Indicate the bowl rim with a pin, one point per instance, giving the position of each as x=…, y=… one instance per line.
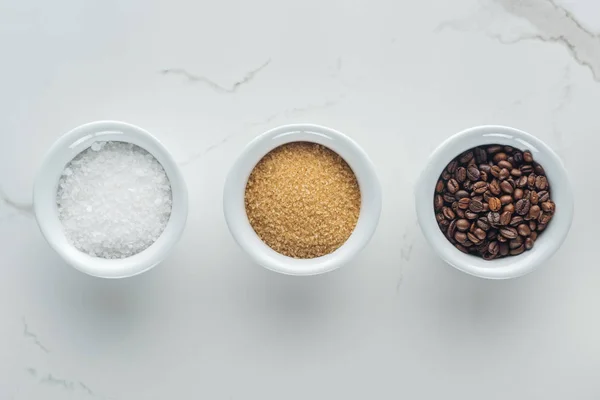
x=246, y=237
x=64, y=149
x=547, y=243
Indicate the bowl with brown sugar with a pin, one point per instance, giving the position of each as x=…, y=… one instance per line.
x=302, y=199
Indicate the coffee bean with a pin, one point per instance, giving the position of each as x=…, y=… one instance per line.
x=505, y=218
x=439, y=217
x=506, y=187
x=538, y=169
x=508, y=232
x=452, y=186
x=460, y=237
x=522, y=206
x=473, y=173
x=505, y=199
x=466, y=157
x=524, y=230
x=502, y=239
x=517, y=251
x=438, y=202
x=531, y=181
x=451, y=229
x=526, y=169
x=467, y=185
x=505, y=164
x=494, y=203
x=448, y=213
x=499, y=157
x=444, y=224
x=493, y=218
x=509, y=149
x=516, y=242
x=471, y=214
x=483, y=223
x=452, y=166
x=515, y=172
x=533, y=236
x=493, y=149
x=480, y=233
x=544, y=196
x=510, y=207
x=518, y=193
x=449, y=198
x=463, y=203
x=522, y=182
x=527, y=156
x=495, y=171
x=446, y=175
x=528, y=243
x=494, y=188
x=467, y=243
x=532, y=226
x=518, y=157
x=439, y=188
x=487, y=168
x=476, y=206
x=541, y=227
x=462, y=225
x=480, y=187
x=461, y=174
x=548, y=207
x=461, y=248
x=544, y=218
x=504, y=173
x=461, y=194
x=483, y=176
x=534, y=212
x=494, y=247
x=541, y=183
x=480, y=155
x=474, y=239
x=504, y=249
x=516, y=221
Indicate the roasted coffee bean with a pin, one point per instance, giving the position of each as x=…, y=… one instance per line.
x=461, y=194
x=505, y=218
x=448, y=213
x=531, y=181
x=439, y=188
x=483, y=223
x=534, y=197
x=515, y=172
x=505, y=199
x=451, y=229
x=522, y=207
x=505, y=164
x=522, y=182
x=518, y=193
x=471, y=214
x=480, y=233
x=504, y=249
x=517, y=251
x=541, y=227
x=452, y=166
x=533, y=236
x=493, y=218
x=510, y=207
x=474, y=239
x=473, y=173
x=499, y=157
x=544, y=196
x=528, y=243
x=544, y=218
x=516, y=242
x=493, y=149
x=484, y=176
x=439, y=217
x=466, y=157
x=449, y=198
x=509, y=232
x=463, y=203
x=467, y=243
x=495, y=171
x=475, y=206
x=452, y=186
x=492, y=234
x=534, y=212
x=541, y=183
x=467, y=185
x=460, y=237
x=461, y=248
x=444, y=224
x=524, y=230
x=494, y=248
x=532, y=226
x=462, y=225
x=480, y=187
x=504, y=173
x=527, y=156
x=487, y=256
x=460, y=213
x=518, y=157
x=487, y=168
x=502, y=239
x=548, y=207
x=446, y=175
x=538, y=169
x=506, y=187
x=438, y=202
x=480, y=155
x=526, y=169
x=494, y=203
x=494, y=188
x=509, y=149
x=516, y=221
x=461, y=174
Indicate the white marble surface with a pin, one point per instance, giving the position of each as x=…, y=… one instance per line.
x=207, y=77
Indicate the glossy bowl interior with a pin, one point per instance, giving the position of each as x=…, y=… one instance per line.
x=235, y=186
x=46, y=209
x=548, y=241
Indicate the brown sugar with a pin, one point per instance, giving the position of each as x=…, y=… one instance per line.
x=303, y=200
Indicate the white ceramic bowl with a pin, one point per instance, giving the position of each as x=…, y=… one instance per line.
x=235, y=186
x=547, y=243
x=46, y=210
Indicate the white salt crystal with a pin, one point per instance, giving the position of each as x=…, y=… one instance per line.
x=109, y=201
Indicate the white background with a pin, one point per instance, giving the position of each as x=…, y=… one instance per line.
x=399, y=77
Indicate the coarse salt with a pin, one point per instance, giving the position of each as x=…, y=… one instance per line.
x=114, y=200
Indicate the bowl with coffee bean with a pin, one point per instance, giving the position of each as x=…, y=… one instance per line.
x=494, y=202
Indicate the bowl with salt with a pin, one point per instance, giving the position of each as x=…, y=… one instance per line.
x=110, y=199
